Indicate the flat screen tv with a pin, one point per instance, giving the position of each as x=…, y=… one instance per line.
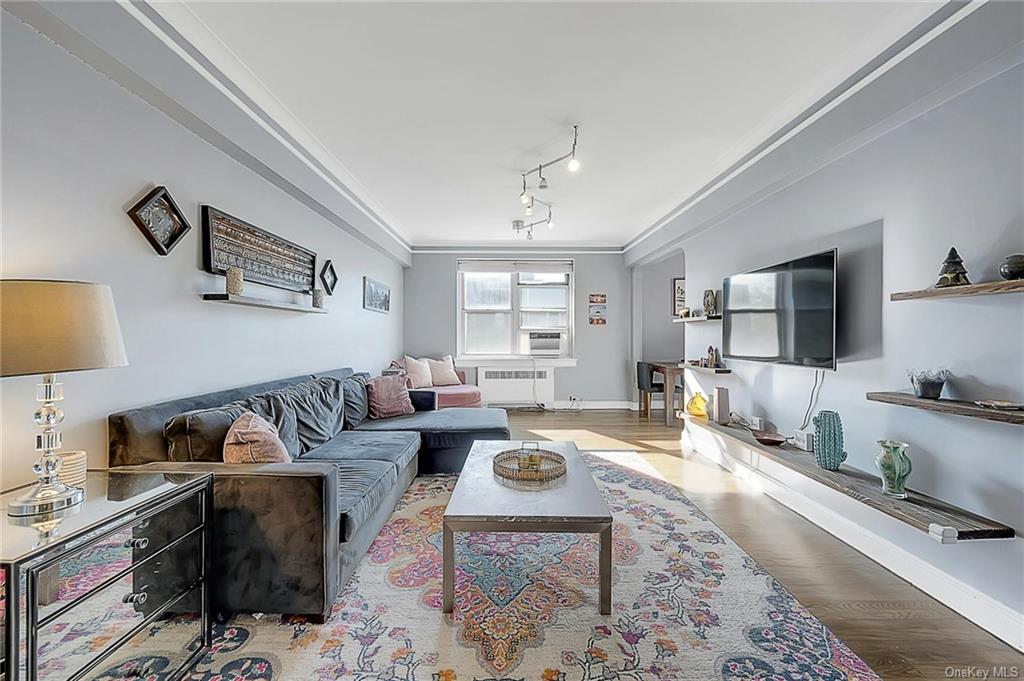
x=784, y=314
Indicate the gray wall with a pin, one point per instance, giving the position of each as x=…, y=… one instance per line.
x=950, y=177
x=77, y=151
x=660, y=338
x=603, y=371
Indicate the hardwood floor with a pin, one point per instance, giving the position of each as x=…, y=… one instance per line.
x=900, y=631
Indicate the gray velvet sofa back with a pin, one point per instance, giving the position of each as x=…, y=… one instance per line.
x=137, y=435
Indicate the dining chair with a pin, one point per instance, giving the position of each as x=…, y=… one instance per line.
x=646, y=387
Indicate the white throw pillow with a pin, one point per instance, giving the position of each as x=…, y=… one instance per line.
x=418, y=372
x=442, y=371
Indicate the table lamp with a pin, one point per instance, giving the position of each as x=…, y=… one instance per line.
x=48, y=327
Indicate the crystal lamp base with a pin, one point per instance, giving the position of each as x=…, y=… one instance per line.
x=46, y=498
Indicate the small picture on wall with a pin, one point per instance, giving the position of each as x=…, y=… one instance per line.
x=376, y=296
x=598, y=298
x=159, y=220
x=678, y=296
x=598, y=315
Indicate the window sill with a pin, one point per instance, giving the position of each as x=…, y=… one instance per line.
x=514, y=361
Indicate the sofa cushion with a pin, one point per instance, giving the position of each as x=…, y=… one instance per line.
x=457, y=396
x=319, y=408
x=362, y=485
x=199, y=435
x=398, y=447
x=357, y=404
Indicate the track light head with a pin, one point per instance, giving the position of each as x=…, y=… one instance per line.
x=543, y=184
x=524, y=197
x=574, y=165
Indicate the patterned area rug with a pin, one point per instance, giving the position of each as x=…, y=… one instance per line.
x=688, y=603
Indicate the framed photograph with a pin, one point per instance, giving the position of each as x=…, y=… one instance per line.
x=678, y=296
x=328, y=277
x=264, y=257
x=598, y=315
x=160, y=220
x=376, y=296
x=598, y=298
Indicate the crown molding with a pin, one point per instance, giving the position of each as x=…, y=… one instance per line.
x=137, y=48
x=938, y=22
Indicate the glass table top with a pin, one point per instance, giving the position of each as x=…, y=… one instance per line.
x=108, y=495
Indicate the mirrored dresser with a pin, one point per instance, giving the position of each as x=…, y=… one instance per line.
x=113, y=589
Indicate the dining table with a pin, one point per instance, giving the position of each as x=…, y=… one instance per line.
x=670, y=369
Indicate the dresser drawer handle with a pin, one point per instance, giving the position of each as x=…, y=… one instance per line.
x=139, y=598
x=140, y=543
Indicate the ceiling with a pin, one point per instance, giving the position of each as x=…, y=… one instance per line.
x=436, y=109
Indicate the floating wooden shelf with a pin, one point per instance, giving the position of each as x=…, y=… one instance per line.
x=943, y=522
x=988, y=288
x=705, y=370
x=957, y=407
x=693, y=320
x=261, y=302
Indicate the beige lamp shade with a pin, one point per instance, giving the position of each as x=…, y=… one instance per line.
x=57, y=326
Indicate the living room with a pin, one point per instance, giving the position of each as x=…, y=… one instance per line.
x=512, y=341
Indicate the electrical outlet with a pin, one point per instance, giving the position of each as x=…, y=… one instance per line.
x=804, y=439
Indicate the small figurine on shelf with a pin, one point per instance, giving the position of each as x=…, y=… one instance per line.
x=953, y=272
x=710, y=303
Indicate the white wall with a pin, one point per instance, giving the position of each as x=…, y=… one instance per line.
x=77, y=151
x=603, y=371
x=950, y=177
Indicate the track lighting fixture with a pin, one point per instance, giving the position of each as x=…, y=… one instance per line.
x=528, y=199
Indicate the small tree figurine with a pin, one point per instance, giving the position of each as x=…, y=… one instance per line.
x=953, y=272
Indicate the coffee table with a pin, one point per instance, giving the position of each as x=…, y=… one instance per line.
x=484, y=502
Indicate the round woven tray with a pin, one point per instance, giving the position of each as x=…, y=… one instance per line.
x=551, y=467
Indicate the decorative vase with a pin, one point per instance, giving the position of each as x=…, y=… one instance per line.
x=1012, y=267
x=894, y=467
x=697, y=406
x=928, y=384
x=828, y=440
x=236, y=281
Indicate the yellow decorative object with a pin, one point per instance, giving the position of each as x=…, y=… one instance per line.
x=697, y=406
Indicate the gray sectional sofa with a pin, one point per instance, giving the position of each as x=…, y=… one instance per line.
x=288, y=536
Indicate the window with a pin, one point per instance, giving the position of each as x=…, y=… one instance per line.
x=515, y=308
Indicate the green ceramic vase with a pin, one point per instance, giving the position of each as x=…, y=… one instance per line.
x=828, y=440
x=894, y=466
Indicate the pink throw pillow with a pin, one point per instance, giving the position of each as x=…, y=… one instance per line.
x=417, y=371
x=442, y=371
x=253, y=439
x=388, y=397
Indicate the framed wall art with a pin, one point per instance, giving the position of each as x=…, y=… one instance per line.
x=678, y=296
x=376, y=296
x=265, y=258
x=328, y=277
x=160, y=220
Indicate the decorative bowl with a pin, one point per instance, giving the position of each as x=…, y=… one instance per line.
x=928, y=384
x=529, y=463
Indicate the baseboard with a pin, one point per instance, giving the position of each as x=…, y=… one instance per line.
x=989, y=614
x=595, y=404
